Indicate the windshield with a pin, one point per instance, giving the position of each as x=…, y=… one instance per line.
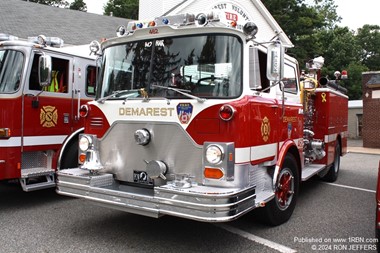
x=11, y=62
x=206, y=66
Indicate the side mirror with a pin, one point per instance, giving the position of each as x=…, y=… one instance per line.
x=44, y=70
x=275, y=61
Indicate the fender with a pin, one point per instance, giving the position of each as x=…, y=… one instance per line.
x=288, y=144
x=66, y=142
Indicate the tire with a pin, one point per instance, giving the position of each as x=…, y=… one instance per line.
x=70, y=157
x=332, y=174
x=280, y=209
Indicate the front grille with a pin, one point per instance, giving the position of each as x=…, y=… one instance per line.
x=170, y=144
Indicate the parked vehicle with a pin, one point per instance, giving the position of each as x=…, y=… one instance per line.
x=196, y=118
x=42, y=86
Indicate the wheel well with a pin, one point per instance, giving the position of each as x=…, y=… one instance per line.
x=339, y=139
x=294, y=151
x=68, y=144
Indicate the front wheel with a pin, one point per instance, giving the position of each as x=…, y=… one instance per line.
x=280, y=209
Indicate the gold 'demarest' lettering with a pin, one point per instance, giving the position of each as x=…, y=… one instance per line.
x=150, y=111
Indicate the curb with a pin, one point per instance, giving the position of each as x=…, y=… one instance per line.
x=361, y=150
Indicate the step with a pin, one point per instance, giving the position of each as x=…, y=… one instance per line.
x=263, y=197
x=36, y=172
x=311, y=170
x=37, y=179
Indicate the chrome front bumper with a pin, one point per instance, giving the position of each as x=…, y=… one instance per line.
x=202, y=203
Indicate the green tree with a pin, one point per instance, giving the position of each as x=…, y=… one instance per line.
x=301, y=22
x=327, y=14
x=55, y=3
x=122, y=8
x=314, y=31
x=354, y=82
x=339, y=48
x=78, y=5
x=341, y=51
x=368, y=38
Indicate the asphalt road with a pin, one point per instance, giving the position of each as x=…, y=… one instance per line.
x=337, y=217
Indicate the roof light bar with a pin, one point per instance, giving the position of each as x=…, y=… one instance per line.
x=202, y=19
x=180, y=20
x=46, y=41
x=177, y=20
x=4, y=37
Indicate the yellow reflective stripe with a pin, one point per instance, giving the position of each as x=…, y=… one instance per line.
x=54, y=82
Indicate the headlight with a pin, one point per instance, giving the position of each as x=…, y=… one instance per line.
x=214, y=154
x=84, y=143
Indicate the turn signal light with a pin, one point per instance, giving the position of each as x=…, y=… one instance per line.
x=82, y=158
x=214, y=173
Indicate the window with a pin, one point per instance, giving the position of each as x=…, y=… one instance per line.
x=91, y=80
x=359, y=124
x=33, y=78
x=290, y=79
x=204, y=65
x=258, y=70
x=11, y=63
x=59, y=75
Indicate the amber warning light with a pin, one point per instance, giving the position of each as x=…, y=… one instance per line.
x=5, y=133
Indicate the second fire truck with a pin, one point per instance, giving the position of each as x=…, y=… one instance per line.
x=195, y=118
x=42, y=86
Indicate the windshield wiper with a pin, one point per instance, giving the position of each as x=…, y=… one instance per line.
x=103, y=99
x=182, y=92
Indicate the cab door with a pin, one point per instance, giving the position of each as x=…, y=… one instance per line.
x=47, y=111
x=291, y=111
x=264, y=111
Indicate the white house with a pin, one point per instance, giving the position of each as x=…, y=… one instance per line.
x=355, y=118
x=244, y=10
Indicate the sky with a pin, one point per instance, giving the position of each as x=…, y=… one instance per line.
x=95, y=6
x=354, y=13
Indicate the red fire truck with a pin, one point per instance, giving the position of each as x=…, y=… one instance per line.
x=42, y=85
x=196, y=118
